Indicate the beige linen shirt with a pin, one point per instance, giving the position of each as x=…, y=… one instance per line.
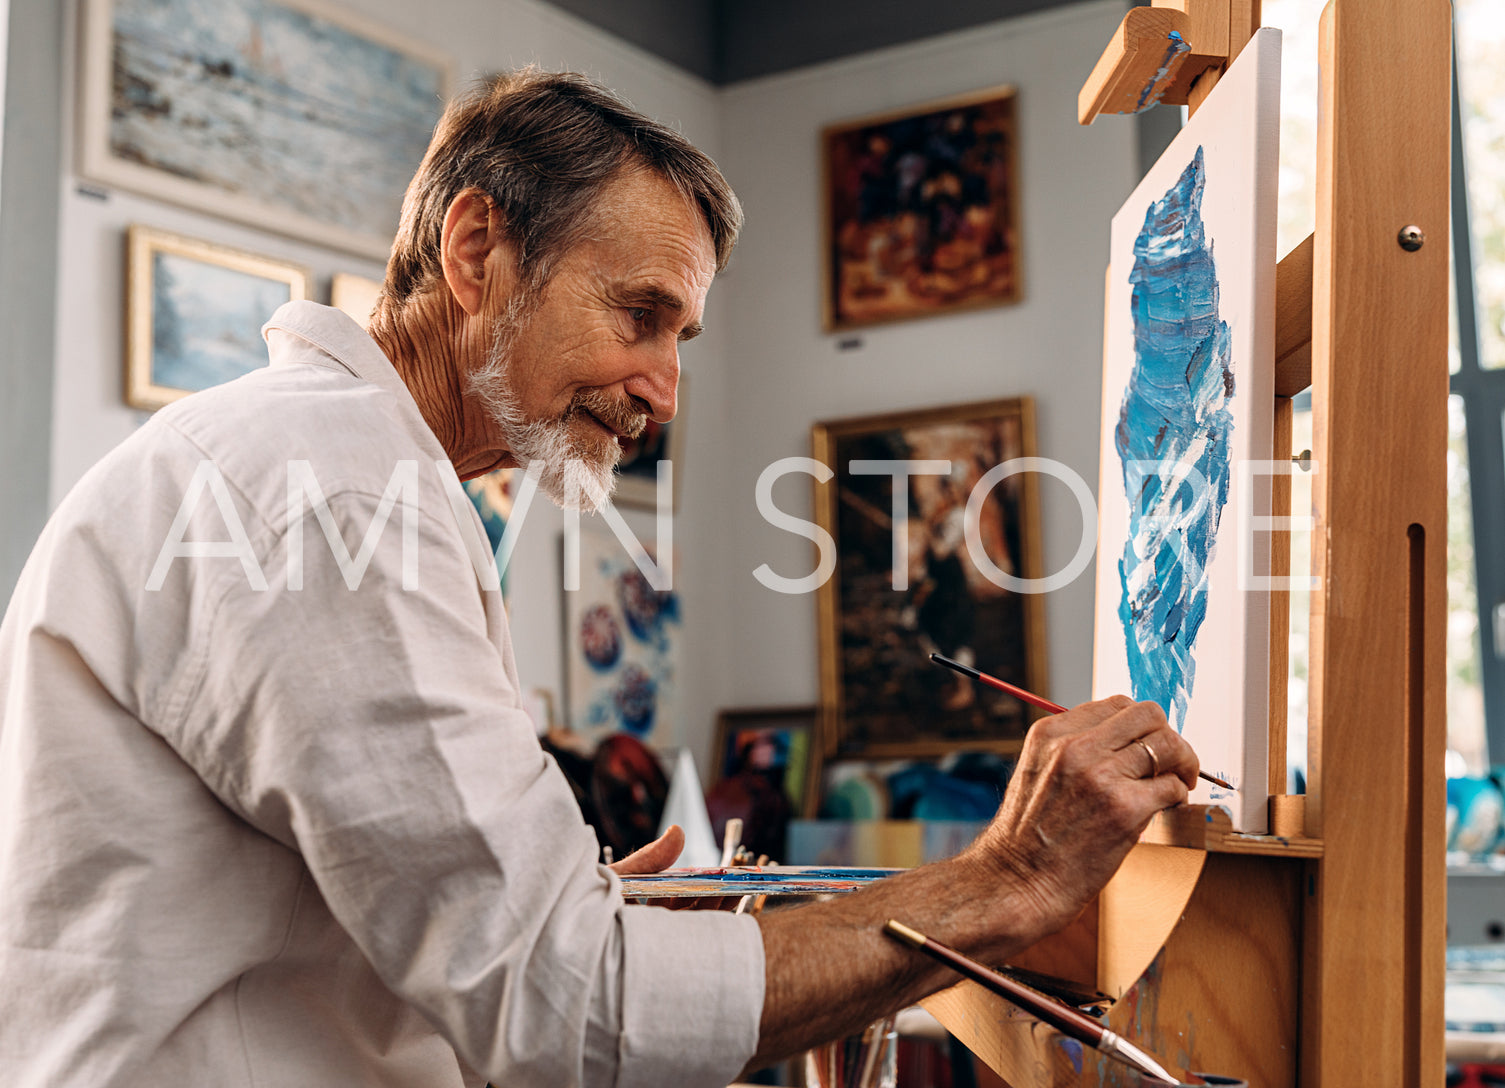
x=256, y=834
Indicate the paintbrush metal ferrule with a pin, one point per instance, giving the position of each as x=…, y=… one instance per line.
x=904, y=933
x=1126, y=1052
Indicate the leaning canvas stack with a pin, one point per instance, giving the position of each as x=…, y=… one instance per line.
x=1182, y=604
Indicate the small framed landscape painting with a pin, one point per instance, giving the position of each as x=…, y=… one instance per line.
x=922, y=211
x=194, y=313
x=295, y=116
x=937, y=530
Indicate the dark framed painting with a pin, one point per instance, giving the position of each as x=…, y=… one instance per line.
x=194, y=312
x=934, y=569
x=775, y=742
x=922, y=211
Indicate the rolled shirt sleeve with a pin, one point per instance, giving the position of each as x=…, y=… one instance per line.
x=376, y=732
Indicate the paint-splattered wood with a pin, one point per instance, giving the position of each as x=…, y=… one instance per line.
x=1139, y=63
x=1140, y=908
x=1293, y=320
x=1220, y=996
x=1373, y=946
x=1207, y=827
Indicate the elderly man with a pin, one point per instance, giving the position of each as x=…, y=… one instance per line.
x=268, y=819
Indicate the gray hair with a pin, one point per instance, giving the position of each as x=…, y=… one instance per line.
x=543, y=146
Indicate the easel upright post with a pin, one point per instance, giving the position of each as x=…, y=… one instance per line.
x=1375, y=932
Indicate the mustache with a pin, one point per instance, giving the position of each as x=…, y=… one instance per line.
x=621, y=416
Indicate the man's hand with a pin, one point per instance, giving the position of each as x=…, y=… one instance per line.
x=657, y=856
x=1080, y=796
x=1085, y=786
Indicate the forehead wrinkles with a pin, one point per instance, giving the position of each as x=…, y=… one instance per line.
x=645, y=227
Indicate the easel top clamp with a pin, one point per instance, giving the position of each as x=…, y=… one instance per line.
x=1314, y=959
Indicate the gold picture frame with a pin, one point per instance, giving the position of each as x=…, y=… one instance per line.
x=880, y=695
x=194, y=312
x=921, y=211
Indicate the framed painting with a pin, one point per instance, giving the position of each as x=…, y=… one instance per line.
x=922, y=211
x=289, y=115
x=777, y=743
x=194, y=313
x=1188, y=398
x=928, y=559
x=622, y=647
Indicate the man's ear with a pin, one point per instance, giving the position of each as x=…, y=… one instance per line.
x=473, y=228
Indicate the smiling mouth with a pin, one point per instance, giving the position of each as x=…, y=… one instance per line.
x=624, y=430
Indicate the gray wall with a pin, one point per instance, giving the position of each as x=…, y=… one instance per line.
x=785, y=373
x=29, y=169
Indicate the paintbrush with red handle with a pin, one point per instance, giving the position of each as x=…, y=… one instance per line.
x=1034, y=700
x=1047, y=1010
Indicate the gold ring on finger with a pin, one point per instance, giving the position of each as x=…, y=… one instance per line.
x=1154, y=760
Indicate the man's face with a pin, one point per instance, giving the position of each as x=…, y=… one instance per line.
x=597, y=354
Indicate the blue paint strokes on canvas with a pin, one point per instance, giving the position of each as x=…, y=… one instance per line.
x=1155, y=88
x=1173, y=437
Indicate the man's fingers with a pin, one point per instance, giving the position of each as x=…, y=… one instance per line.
x=1088, y=715
x=657, y=856
x=1167, y=791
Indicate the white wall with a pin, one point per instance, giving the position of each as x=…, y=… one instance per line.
x=785, y=373
x=763, y=372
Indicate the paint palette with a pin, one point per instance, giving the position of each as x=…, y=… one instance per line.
x=1188, y=397
x=799, y=880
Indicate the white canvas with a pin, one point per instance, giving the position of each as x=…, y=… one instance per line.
x=1188, y=396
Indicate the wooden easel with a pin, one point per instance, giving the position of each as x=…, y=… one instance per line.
x=1313, y=956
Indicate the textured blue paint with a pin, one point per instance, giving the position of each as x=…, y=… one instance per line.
x=1154, y=90
x=1175, y=414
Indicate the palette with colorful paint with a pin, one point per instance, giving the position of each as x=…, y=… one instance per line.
x=775, y=880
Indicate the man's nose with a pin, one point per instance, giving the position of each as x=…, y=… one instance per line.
x=656, y=389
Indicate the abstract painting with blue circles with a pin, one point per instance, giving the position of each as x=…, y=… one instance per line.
x=1188, y=396
x=622, y=639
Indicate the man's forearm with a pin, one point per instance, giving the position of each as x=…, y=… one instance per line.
x=830, y=970
x=1080, y=794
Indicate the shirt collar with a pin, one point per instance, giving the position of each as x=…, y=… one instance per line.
x=336, y=336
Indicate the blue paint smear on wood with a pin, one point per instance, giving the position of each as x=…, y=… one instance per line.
x=1155, y=89
x=1173, y=439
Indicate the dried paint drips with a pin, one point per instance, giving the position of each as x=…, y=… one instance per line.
x=1173, y=440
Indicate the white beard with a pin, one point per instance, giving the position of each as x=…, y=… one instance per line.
x=574, y=478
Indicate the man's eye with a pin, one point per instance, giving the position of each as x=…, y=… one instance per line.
x=639, y=314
